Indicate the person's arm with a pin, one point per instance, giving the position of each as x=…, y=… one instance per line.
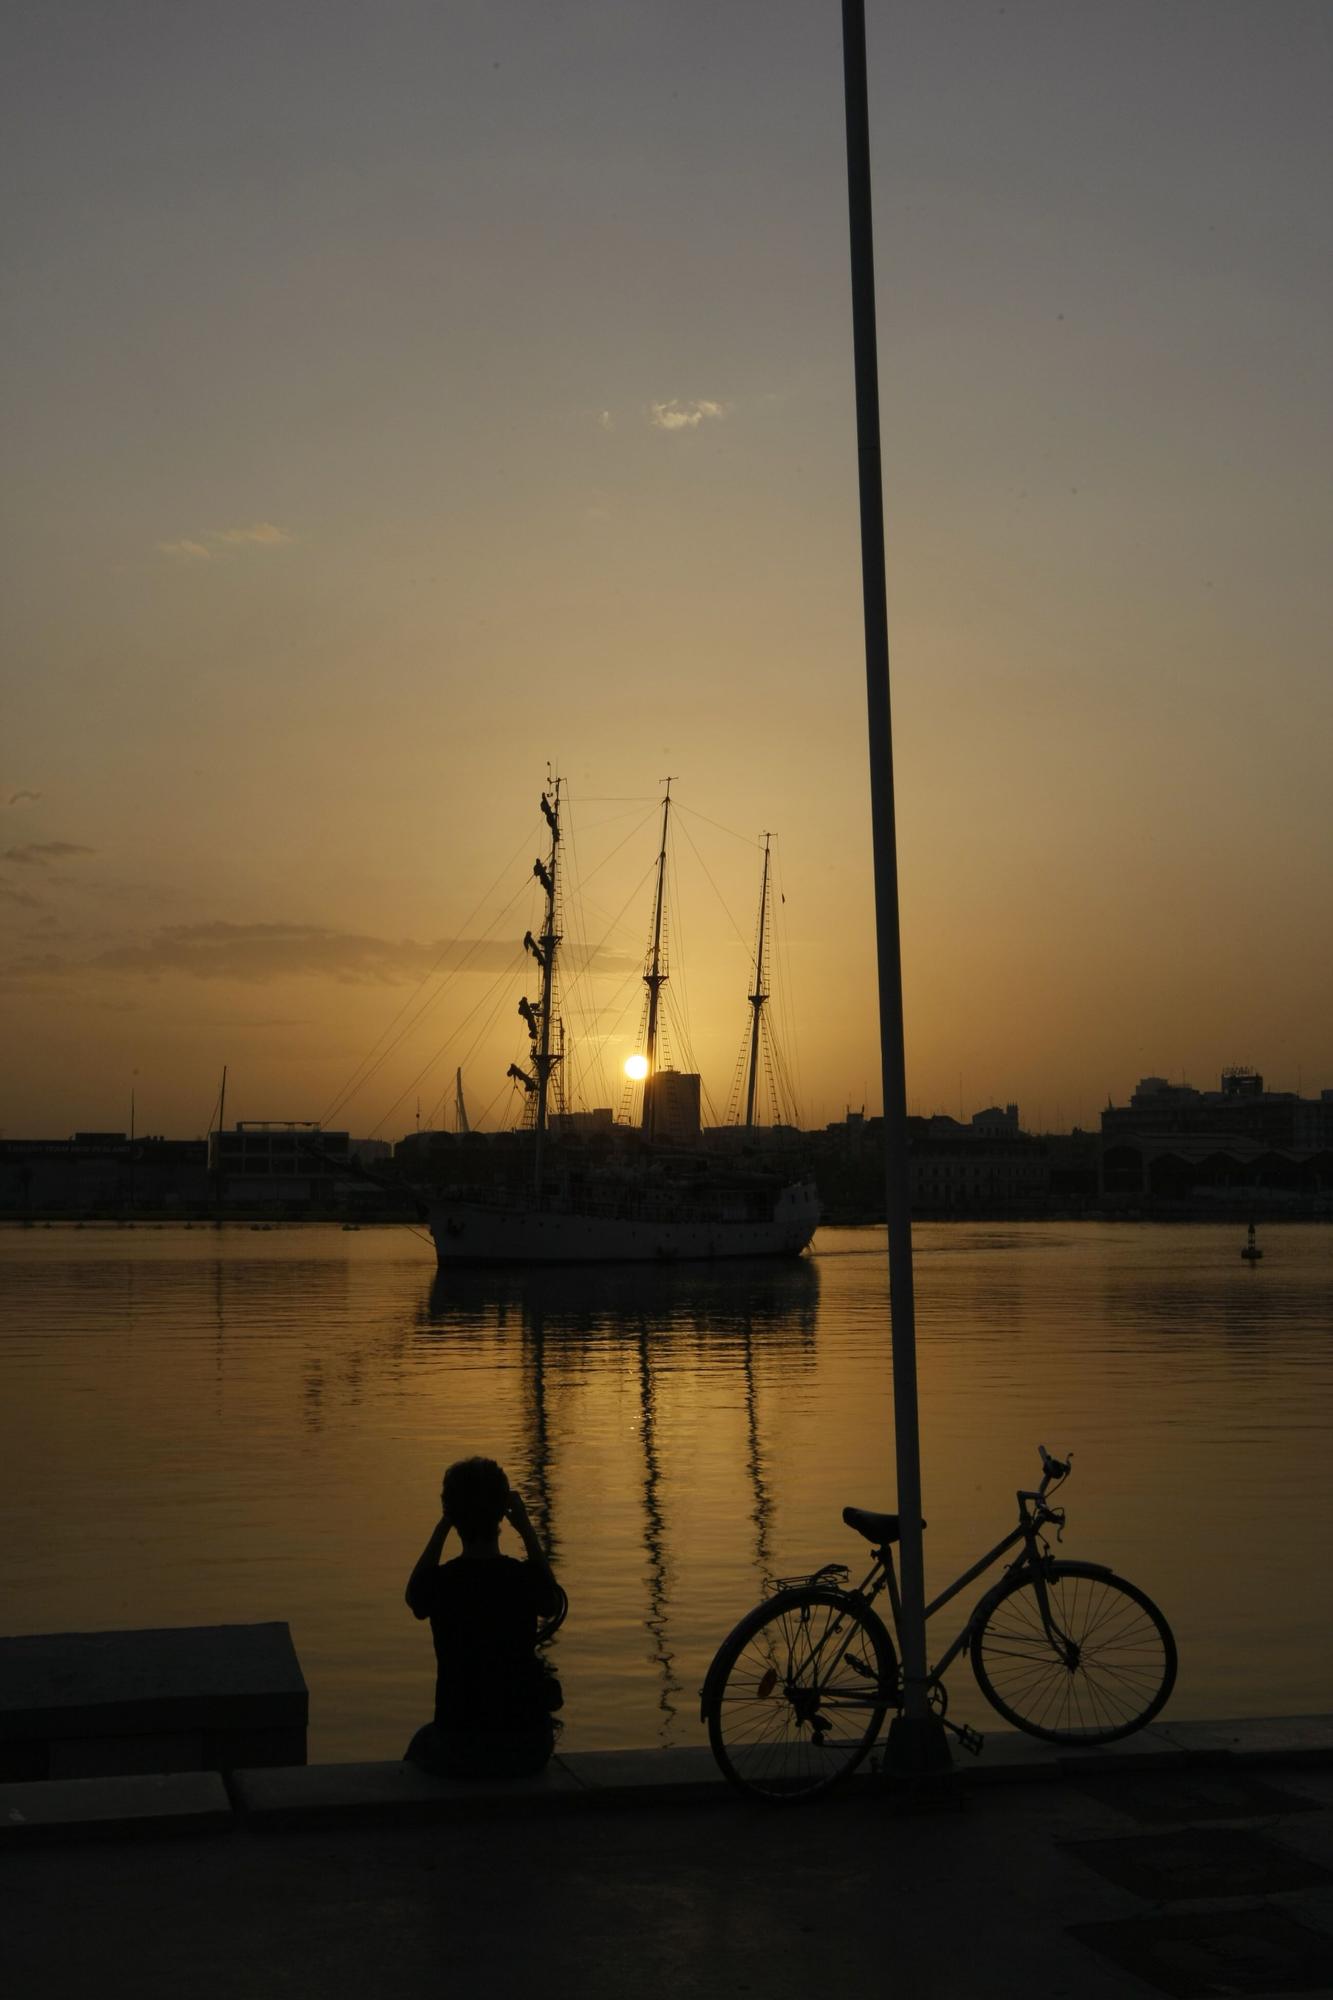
x=417, y=1593
x=548, y=1590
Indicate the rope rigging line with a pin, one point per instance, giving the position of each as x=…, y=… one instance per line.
x=578, y=995
x=507, y=973
x=713, y=885
x=425, y=1008
x=789, y=1043
x=611, y=855
x=747, y=838
x=498, y=988
x=590, y=1011
x=369, y=1063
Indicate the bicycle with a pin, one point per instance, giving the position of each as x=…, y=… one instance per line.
x=1067, y=1651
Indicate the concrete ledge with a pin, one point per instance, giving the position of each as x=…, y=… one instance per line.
x=1279, y=1739
x=53, y=1810
x=301, y=1795
x=1166, y=1746
x=645, y=1775
x=350, y=1794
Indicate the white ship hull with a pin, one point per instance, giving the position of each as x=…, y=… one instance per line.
x=468, y=1231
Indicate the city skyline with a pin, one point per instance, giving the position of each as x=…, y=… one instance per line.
x=396, y=407
x=982, y=1115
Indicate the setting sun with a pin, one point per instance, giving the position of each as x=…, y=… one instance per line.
x=636, y=1068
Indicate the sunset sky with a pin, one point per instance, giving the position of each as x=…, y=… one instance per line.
x=399, y=398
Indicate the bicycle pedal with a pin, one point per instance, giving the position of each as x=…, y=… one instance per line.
x=971, y=1739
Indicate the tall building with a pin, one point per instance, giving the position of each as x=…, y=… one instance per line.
x=673, y=1106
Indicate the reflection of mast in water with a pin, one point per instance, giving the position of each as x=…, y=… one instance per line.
x=654, y=1542
x=538, y=1500
x=762, y=1512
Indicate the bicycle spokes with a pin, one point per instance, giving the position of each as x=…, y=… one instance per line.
x=796, y=1699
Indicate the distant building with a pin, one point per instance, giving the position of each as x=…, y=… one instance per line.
x=994, y=1122
x=102, y=1173
x=287, y=1162
x=1175, y=1144
x=988, y=1166
x=573, y=1122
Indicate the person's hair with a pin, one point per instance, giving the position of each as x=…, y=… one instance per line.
x=476, y=1494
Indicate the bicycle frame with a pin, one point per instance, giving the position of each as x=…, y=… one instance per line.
x=1034, y=1515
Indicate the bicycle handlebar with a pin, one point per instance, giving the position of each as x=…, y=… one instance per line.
x=1052, y=1468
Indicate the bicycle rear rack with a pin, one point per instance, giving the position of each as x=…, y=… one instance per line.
x=830, y=1574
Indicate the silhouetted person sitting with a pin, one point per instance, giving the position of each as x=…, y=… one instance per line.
x=493, y=1694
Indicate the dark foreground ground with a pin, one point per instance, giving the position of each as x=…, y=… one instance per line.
x=1180, y=1880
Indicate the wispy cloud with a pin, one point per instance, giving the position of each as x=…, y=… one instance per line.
x=258, y=954
x=259, y=535
x=19, y=897
x=678, y=416
x=23, y=798
x=41, y=853
x=605, y=421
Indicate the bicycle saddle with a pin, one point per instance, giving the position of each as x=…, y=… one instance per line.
x=881, y=1528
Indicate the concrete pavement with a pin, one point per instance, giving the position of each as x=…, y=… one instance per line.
x=1191, y=1872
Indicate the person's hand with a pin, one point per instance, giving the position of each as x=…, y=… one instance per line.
x=516, y=1512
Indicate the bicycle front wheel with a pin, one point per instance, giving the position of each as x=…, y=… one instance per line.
x=1103, y=1669
x=798, y=1693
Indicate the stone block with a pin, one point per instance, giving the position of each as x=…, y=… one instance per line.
x=22, y=1761
x=170, y=1698
x=124, y=1756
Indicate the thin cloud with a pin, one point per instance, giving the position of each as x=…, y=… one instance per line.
x=23, y=798
x=605, y=420
x=20, y=897
x=678, y=416
x=41, y=853
x=257, y=954
x=259, y=535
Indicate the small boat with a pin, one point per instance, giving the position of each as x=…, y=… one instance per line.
x=1251, y=1253
x=654, y=1204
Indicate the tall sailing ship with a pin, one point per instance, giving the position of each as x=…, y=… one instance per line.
x=659, y=1204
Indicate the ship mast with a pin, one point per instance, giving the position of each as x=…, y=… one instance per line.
x=655, y=978
x=538, y=1018
x=758, y=997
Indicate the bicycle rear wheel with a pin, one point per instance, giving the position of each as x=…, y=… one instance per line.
x=798, y=1692
x=1107, y=1673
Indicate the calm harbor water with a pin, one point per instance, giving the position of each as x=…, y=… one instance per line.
x=206, y=1426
